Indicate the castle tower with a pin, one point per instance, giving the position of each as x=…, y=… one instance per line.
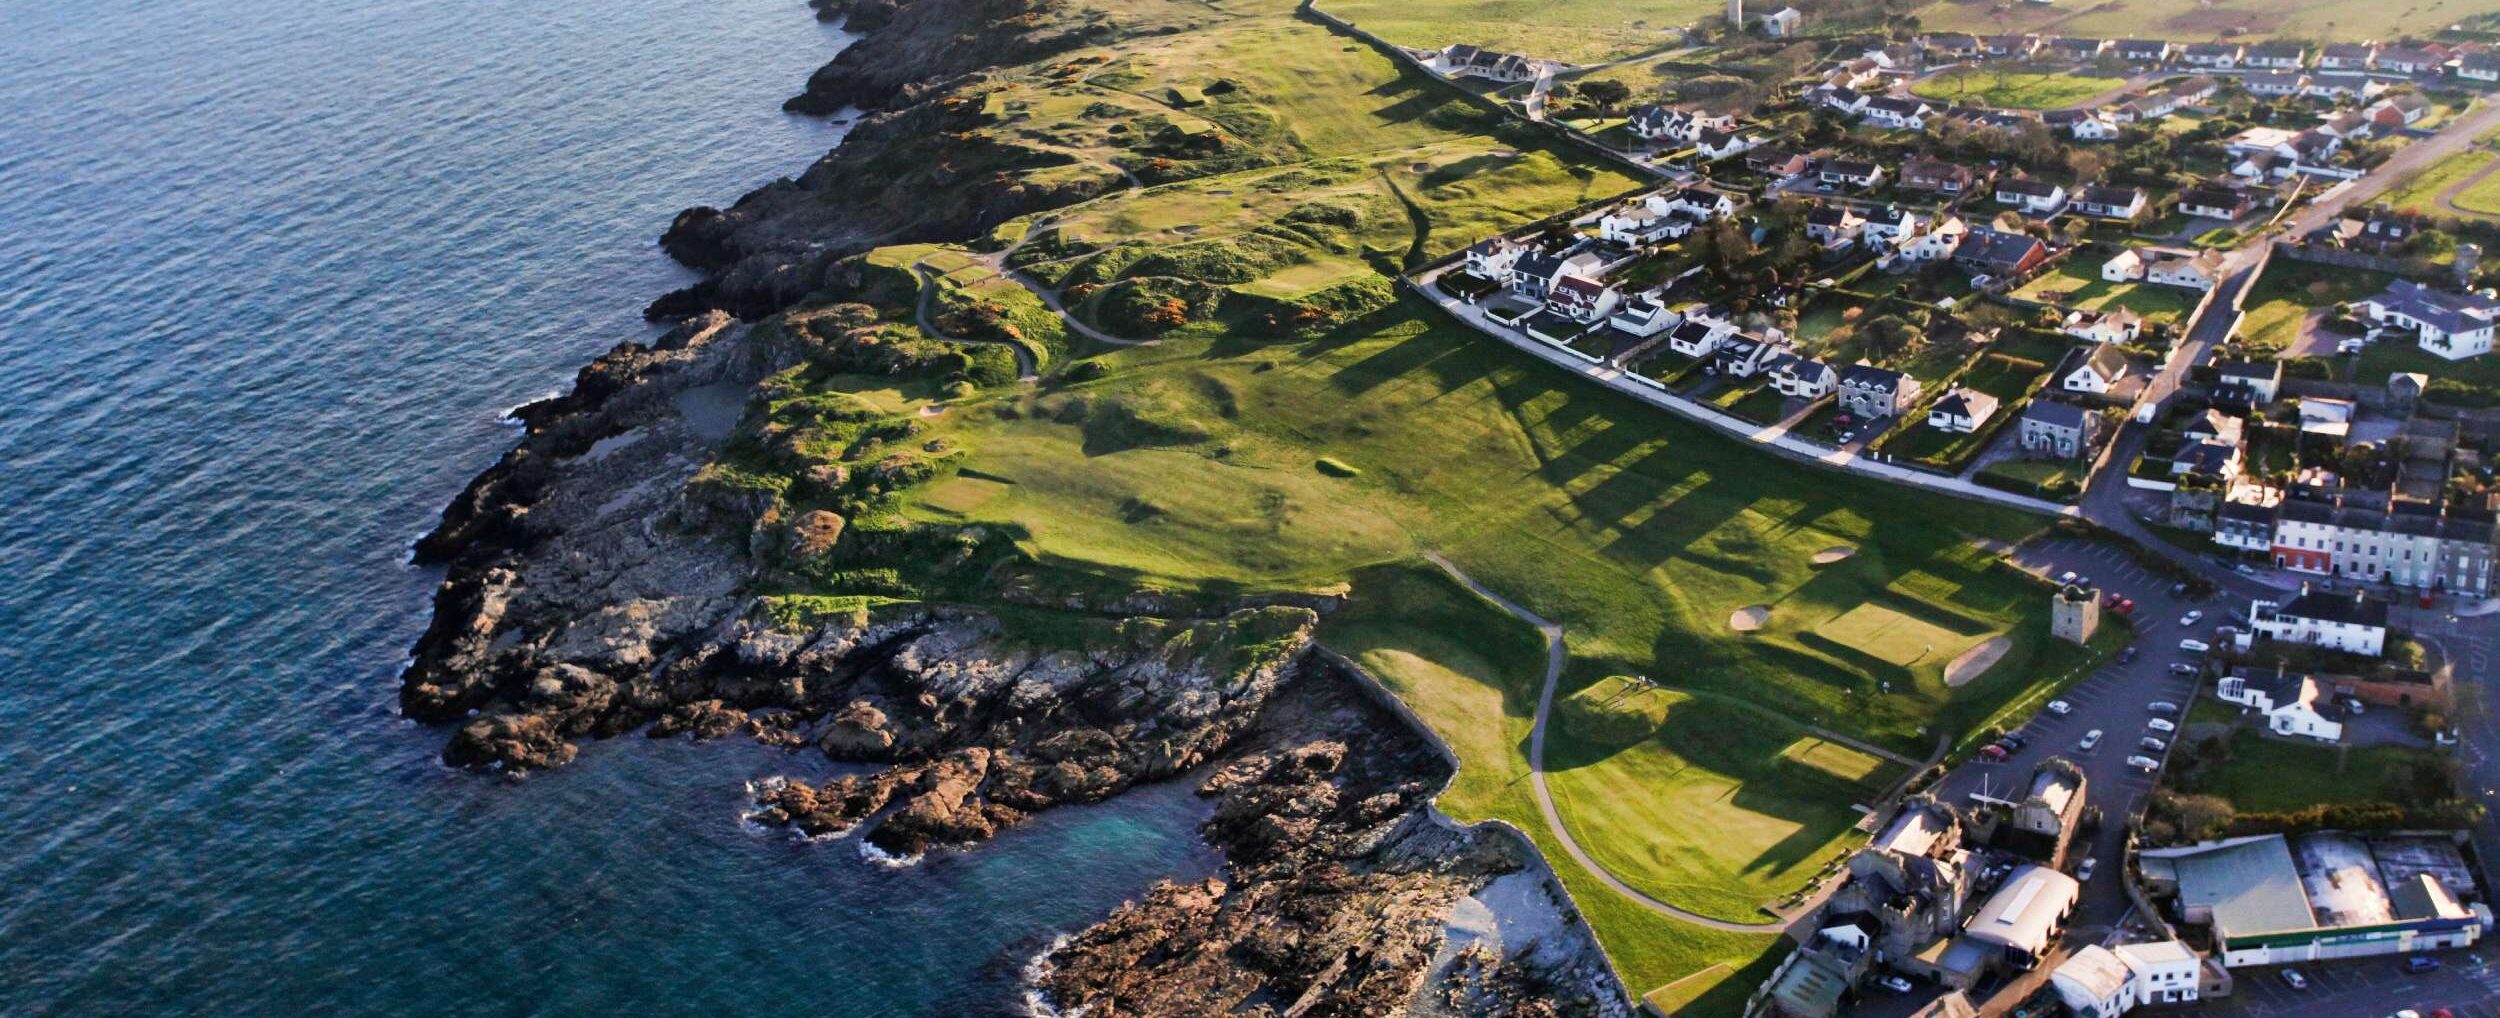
x=2075, y=614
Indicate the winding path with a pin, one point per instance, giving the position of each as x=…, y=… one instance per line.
x=2448, y=197
x=1536, y=765
x=1026, y=369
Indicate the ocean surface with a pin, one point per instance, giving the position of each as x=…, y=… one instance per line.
x=270, y=272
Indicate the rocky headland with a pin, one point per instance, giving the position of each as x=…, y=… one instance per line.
x=627, y=568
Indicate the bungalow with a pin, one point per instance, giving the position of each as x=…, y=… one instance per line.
x=2145, y=107
x=2058, y=430
x=2483, y=67
x=2217, y=201
x=1869, y=391
x=2347, y=56
x=2409, y=60
x=1851, y=172
x=1981, y=116
x=1742, y=355
x=2275, y=83
x=1898, y=113
x=2292, y=704
x=1833, y=225
x=2199, y=271
x=1715, y=144
x=2079, y=50
x=2019, y=47
x=2454, y=326
x=1699, y=335
x=2116, y=325
x=2398, y=111
x=1847, y=101
x=2110, y=202
x=2146, y=51
x=2194, y=91
x=1463, y=61
x=2354, y=623
x=2125, y=267
x=2032, y=195
x=2277, y=56
x=2100, y=372
x=1582, y=299
x=2344, y=125
x=1938, y=176
x=1936, y=244
x=1961, y=411
x=1701, y=203
x=2206, y=459
x=2332, y=87
x=1643, y=317
x=2220, y=56
x=2253, y=382
x=1801, y=377
x=2096, y=128
x=1956, y=45
x=1999, y=253
x=1776, y=162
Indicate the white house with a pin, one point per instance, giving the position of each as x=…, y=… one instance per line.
x=1852, y=172
x=1888, y=225
x=1801, y=377
x=1582, y=299
x=2116, y=325
x=2199, y=271
x=2407, y=60
x=1833, y=225
x=2095, y=127
x=1700, y=203
x=1699, y=334
x=2354, y=623
x=1492, y=259
x=2347, y=56
x=1961, y=411
x=1715, y=144
x=2102, y=982
x=2483, y=67
x=2292, y=704
x=1936, y=244
x=1644, y=317
x=2126, y=267
x=1898, y=113
x=2109, y=202
x=2452, y=325
x=2037, y=197
x=1782, y=23
x=2100, y=372
x=1847, y=101
x=2217, y=55
x=2275, y=83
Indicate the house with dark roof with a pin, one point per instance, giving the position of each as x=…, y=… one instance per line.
x=1869, y=391
x=1961, y=411
x=2454, y=326
x=2347, y=56
x=1897, y=112
x=2146, y=51
x=2116, y=325
x=2246, y=526
x=1938, y=176
x=1801, y=377
x=2483, y=67
x=2292, y=703
x=2253, y=382
x=2017, y=46
x=1950, y=44
x=1776, y=162
x=1833, y=225
x=2217, y=201
x=2080, y=50
x=1853, y=172
x=2109, y=202
x=1999, y=253
x=2058, y=430
x=2031, y=194
x=2278, y=56
x=2221, y=56
x=2355, y=623
x=2274, y=84
x=1582, y=299
x=2409, y=60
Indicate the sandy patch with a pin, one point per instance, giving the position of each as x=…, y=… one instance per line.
x=1749, y=618
x=1976, y=661
x=933, y=410
x=1837, y=553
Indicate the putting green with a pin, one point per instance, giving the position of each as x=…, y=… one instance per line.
x=1890, y=636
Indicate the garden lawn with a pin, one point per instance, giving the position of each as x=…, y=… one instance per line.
x=2474, y=381
x=2012, y=88
x=2192, y=20
x=2290, y=289
x=2054, y=479
x=2253, y=778
x=2077, y=284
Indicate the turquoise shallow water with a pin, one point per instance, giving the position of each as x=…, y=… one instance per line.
x=269, y=273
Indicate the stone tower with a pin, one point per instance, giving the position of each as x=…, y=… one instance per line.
x=2075, y=614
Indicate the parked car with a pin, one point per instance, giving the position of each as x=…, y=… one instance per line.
x=2190, y=619
x=2143, y=763
x=2421, y=963
x=1894, y=983
x=2126, y=606
x=2084, y=872
x=2162, y=708
x=2061, y=708
x=2151, y=744
x=2198, y=647
x=2127, y=656
x=2014, y=741
x=2182, y=668
x=2066, y=577
x=2090, y=739
x=1992, y=752
x=2220, y=631
x=2161, y=725
x=2293, y=979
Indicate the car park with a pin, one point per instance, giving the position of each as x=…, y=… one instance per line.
x=2151, y=744
x=2061, y=708
x=2191, y=619
x=2293, y=979
x=2090, y=739
x=2143, y=763
x=2161, y=725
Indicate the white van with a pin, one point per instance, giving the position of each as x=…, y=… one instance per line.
x=2193, y=646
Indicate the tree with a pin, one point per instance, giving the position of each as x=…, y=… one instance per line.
x=1724, y=249
x=1885, y=336
x=1607, y=93
x=2086, y=164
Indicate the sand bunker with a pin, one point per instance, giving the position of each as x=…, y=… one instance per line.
x=1976, y=661
x=1750, y=618
x=932, y=409
x=1827, y=556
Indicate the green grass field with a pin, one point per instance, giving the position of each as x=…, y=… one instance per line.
x=2197, y=21
x=1892, y=636
x=2474, y=381
x=2014, y=88
x=2420, y=192
x=2077, y=283
x=2289, y=290
x=2252, y=778
x=1583, y=32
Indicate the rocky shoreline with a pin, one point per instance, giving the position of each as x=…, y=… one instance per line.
x=594, y=588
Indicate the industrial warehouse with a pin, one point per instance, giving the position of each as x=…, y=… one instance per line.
x=2273, y=900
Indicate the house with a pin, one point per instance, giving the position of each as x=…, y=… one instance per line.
x=2454, y=326
x=1699, y=334
x=2026, y=917
x=2332, y=87
x=1956, y=45
x=1936, y=244
x=1582, y=299
x=2105, y=982
x=1776, y=162
x=2145, y=107
x=1534, y=275
x=2256, y=382
x=1715, y=144
x=2347, y=56
x=1981, y=116
x=2032, y=195
x=1890, y=224
x=1897, y=113
x=2483, y=67
x=2146, y=51
x=1961, y=411
x=2079, y=50
x=2214, y=426
x=2054, y=803
x=2103, y=370
x=2292, y=704
x=2216, y=201
x=2276, y=56
x=2199, y=271
x=1743, y=355
x=1801, y=377
x=1833, y=225
x=2344, y=124
x=2094, y=127
x=2408, y=60
x=1998, y=253
x=1700, y=203
x=1651, y=220
x=1870, y=392
x=2397, y=112
x=2220, y=56
x=1464, y=61
x=1491, y=260
x=1851, y=172
x=1783, y=23
x=2405, y=545
x=1643, y=317
x=1847, y=101
x=2195, y=91
x=2109, y=202
x=2354, y=623
x=2246, y=526
x=2275, y=83
x=1662, y=124
x=1938, y=176
x=2126, y=266
x=2206, y=459
x=2019, y=47
x=2058, y=430
x=2116, y=325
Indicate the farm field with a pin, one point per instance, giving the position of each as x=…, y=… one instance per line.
x=2014, y=88
x=2195, y=21
x=1586, y=32
x=2077, y=283
x=2282, y=299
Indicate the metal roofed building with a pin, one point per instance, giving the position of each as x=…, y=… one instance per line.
x=2023, y=918
x=2268, y=905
